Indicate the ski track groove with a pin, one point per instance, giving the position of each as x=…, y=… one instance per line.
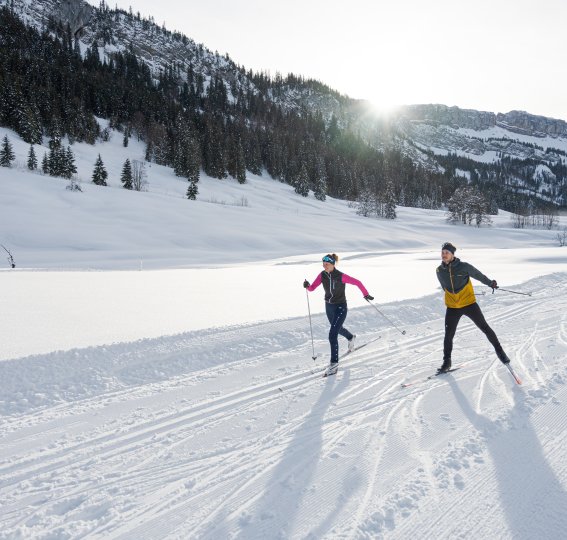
x=240, y=472
x=160, y=424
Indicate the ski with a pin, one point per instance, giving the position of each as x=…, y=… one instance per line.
x=319, y=370
x=331, y=370
x=411, y=383
x=513, y=373
x=443, y=372
x=358, y=347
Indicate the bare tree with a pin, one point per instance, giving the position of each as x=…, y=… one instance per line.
x=10, y=258
x=467, y=205
x=139, y=176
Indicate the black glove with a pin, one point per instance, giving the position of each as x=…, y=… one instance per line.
x=306, y=284
x=368, y=298
x=493, y=284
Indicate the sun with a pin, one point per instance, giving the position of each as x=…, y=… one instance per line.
x=384, y=108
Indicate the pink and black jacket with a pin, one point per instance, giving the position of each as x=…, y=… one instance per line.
x=334, y=285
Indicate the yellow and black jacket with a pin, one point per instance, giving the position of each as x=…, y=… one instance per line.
x=455, y=280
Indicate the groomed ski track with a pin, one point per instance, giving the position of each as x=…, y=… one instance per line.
x=227, y=433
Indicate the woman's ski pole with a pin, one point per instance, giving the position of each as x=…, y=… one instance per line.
x=403, y=332
x=310, y=325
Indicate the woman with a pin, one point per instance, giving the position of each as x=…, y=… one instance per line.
x=336, y=305
x=454, y=277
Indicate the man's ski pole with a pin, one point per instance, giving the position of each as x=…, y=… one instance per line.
x=515, y=292
x=310, y=325
x=403, y=332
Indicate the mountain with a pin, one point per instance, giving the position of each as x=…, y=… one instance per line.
x=286, y=123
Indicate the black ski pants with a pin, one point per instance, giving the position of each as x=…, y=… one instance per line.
x=473, y=312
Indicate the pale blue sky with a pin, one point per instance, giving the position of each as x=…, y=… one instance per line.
x=494, y=55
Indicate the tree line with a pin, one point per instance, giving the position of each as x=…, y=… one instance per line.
x=225, y=126
x=47, y=88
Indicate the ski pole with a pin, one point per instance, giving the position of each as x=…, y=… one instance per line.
x=515, y=292
x=403, y=332
x=310, y=325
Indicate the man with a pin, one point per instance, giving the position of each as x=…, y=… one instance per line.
x=454, y=277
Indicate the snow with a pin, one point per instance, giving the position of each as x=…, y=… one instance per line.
x=487, y=157
x=156, y=373
x=502, y=133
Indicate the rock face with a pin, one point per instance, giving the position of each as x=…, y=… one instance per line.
x=450, y=116
x=515, y=121
x=75, y=12
x=530, y=124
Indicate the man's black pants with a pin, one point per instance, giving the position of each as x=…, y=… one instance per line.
x=473, y=312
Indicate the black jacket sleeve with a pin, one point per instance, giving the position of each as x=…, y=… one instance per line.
x=476, y=274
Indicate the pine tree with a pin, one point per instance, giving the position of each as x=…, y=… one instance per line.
x=32, y=160
x=29, y=123
x=6, y=153
x=192, y=191
x=56, y=159
x=99, y=173
x=365, y=203
x=45, y=164
x=390, y=202
x=126, y=176
x=320, y=187
x=302, y=182
x=69, y=168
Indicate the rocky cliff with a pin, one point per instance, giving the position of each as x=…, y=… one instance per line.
x=515, y=121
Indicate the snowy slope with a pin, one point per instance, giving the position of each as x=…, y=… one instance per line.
x=229, y=435
x=112, y=228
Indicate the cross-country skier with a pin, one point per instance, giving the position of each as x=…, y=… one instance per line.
x=454, y=276
x=336, y=305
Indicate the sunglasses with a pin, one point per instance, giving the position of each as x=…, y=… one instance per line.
x=328, y=259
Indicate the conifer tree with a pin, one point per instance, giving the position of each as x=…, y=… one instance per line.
x=68, y=167
x=56, y=159
x=6, y=153
x=45, y=164
x=126, y=176
x=390, y=202
x=99, y=173
x=192, y=191
x=302, y=182
x=32, y=159
x=320, y=187
x=28, y=122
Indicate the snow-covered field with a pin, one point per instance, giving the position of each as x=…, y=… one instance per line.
x=156, y=376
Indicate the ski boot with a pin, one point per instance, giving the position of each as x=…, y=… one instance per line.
x=351, y=344
x=445, y=367
x=331, y=369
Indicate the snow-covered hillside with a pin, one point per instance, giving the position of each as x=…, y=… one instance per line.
x=156, y=376
x=112, y=228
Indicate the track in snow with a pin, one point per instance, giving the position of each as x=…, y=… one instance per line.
x=209, y=448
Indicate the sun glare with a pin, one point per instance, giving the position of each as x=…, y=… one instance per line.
x=384, y=108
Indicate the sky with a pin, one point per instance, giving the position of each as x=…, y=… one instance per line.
x=492, y=55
